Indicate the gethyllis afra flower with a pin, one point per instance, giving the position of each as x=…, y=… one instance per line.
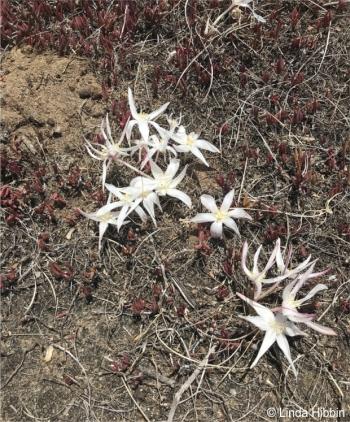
x=219, y=217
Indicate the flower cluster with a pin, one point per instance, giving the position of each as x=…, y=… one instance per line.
x=281, y=321
x=145, y=190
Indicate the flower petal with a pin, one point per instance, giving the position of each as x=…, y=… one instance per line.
x=132, y=105
x=312, y=292
x=102, y=229
x=122, y=216
x=261, y=310
x=216, y=229
x=226, y=203
x=321, y=328
x=195, y=151
x=239, y=213
x=209, y=203
x=172, y=168
x=257, y=321
x=284, y=346
x=201, y=143
x=204, y=217
x=181, y=196
x=269, y=339
x=158, y=112
x=228, y=222
x=144, y=130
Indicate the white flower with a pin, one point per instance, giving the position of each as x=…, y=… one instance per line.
x=222, y=216
x=145, y=187
x=158, y=145
x=192, y=143
x=109, y=151
x=142, y=120
x=165, y=182
x=245, y=4
x=290, y=305
x=129, y=200
x=276, y=328
x=259, y=277
x=104, y=217
x=283, y=266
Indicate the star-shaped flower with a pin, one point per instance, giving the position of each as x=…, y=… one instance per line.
x=165, y=182
x=192, y=143
x=142, y=120
x=108, y=152
x=129, y=200
x=220, y=216
x=276, y=328
x=255, y=275
x=104, y=216
x=290, y=304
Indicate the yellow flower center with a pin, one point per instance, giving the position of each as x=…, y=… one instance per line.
x=143, y=116
x=189, y=140
x=106, y=217
x=220, y=215
x=277, y=327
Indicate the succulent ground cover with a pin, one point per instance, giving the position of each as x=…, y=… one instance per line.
x=158, y=322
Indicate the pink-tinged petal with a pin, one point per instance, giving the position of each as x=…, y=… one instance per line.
x=216, y=229
x=90, y=150
x=239, y=213
x=269, y=339
x=228, y=222
x=209, y=203
x=312, y=292
x=293, y=315
x=108, y=127
x=258, y=290
x=321, y=328
x=284, y=346
x=300, y=267
x=261, y=310
x=158, y=112
x=226, y=203
x=144, y=130
x=255, y=260
x=202, y=144
x=272, y=258
x=257, y=321
x=132, y=105
x=172, y=168
x=102, y=229
x=195, y=151
x=203, y=218
x=303, y=278
x=277, y=279
x=246, y=271
x=181, y=196
x=292, y=330
x=287, y=291
x=279, y=258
